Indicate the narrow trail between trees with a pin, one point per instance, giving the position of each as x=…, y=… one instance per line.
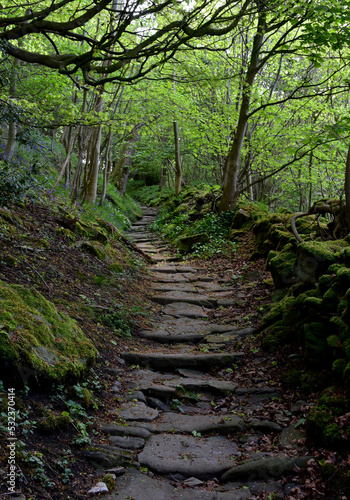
x=180, y=442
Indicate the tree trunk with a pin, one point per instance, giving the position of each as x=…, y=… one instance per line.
x=68, y=142
x=347, y=191
x=12, y=130
x=230, y=188
x=163, y=177
x=91, y=191
x=178, y=166
x=121, y=169
x=108, y=166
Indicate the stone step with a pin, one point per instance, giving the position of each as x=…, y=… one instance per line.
x=139, y=485
x=185, y=297
x=169, y=278
x=167, y=386
x=183, y=309
x=181, y=360
x=189, y=456
x=264, y=468
x=182, y=329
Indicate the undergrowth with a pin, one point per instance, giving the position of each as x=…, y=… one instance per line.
x=216, y=226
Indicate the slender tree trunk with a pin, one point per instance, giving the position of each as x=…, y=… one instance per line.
x=230, y=188
x=121, y=169
x=12, y=129
x=69, y=146
x=163, y=177
x=108, y=166
x=310, y=177
x=178, y=166
x=347, y=191
x=91, y=191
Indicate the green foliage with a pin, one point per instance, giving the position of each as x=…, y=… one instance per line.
x=16, y=183
x=117, y=321
x=191, y=214
x=148, y=195
x=327, y=421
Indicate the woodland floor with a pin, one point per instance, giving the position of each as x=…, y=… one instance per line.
x=82, y=286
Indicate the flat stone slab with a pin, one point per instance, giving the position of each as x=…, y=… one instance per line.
x=180, y=360
x=164, y=269
x=229, y=336
x=169, y=278
x=264, y=468
x=138, y=486
x=165, y=385
x=206, y=424
x=185, y=269
x=181, y=296
x=125, y=430
x=290, y=437
x=190, y=456
x=185, y=309
x=137, y=411
x=170, y=287
x=226, y=302
x=212, y=287
x=183, y=329
x=127, y=442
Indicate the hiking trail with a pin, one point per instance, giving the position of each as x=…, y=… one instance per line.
x=177, y=443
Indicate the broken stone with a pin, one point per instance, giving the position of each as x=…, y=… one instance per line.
x=117, y=471
x=192, y=482
x=158, y=404
x=99, y=488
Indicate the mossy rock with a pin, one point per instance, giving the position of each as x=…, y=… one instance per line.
x=237, y=234
x=275, y=336
x=316, y=347
x=65, y=232
x=281, y=266
x=81, y=395
x=277, y=311
x=34, y=336
x=186, y=244
x=109, y=481
x=92, y=231
x=314, y=259
x=97, y=250
x=52, y=423
x=242, y=218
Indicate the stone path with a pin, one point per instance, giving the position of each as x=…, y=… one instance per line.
x=167, y=441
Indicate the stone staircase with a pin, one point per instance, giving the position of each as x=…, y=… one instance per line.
x=177, y=444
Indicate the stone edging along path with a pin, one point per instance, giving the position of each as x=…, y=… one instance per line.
x=175, y=446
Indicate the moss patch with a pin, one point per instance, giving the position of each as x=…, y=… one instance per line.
x=35, y=335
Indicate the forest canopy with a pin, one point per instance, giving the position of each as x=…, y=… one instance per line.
x=248, y=96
